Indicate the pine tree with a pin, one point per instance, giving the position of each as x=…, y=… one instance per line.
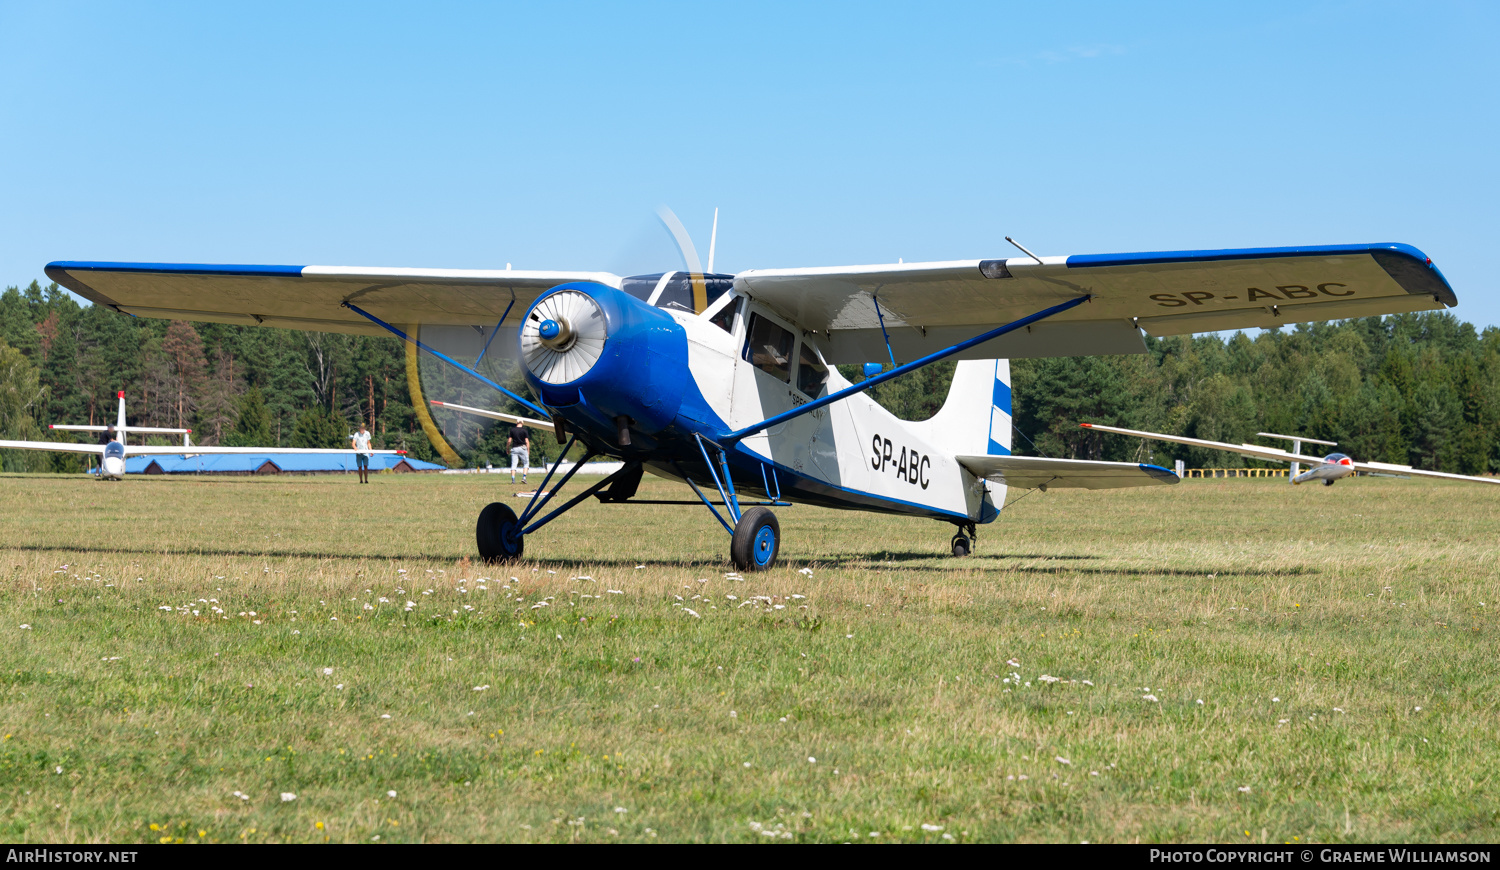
x=253, y=429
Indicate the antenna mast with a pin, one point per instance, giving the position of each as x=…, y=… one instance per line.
x=713, y=239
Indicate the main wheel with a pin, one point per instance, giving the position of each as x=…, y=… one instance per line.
x=498, y=534
x=961, y=545
x=756, y=541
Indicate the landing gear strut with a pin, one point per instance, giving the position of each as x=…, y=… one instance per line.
x=755, y=536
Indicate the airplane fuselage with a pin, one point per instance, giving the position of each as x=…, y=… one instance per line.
x=661, y=378
x=1336, y=466
x=112, y=462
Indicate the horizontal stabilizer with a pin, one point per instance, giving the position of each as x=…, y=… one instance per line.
x=134, y=430
x=1032, y=472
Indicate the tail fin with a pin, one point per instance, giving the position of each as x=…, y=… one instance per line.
x=120, y=420
x=976, y=418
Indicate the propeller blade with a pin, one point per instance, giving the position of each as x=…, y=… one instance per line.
x=684, y=241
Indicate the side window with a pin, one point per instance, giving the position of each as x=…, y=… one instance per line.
x=768, y=347
x=811, y=373
x=725, y=318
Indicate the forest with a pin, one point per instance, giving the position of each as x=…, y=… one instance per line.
x=1417, y=389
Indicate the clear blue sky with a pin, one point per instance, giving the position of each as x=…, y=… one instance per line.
x=545, y=134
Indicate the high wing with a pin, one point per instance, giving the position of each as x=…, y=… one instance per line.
x=1274, y=455
x=931, y=306
x=496, y=415
x=55, y=447
x=311, y=297
x=1031, y=472
x=1254, y=451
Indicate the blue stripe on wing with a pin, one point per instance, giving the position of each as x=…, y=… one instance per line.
x=178, y=268
x=1084, y=261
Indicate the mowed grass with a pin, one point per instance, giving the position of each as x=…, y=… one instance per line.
x=1233, y=660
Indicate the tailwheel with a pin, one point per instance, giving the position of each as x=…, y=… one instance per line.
x=756, y=541
x=498, y=534
x=961, y=545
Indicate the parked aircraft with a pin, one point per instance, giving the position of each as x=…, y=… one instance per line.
x=112, y=453
x=1330, y=468
x=727, y=382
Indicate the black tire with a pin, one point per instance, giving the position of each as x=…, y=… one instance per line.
x=756, y=541
x=498, y=534
x=961, y=546
x=1328, y=483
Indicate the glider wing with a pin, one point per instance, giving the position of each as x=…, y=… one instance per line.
x=1388, y=468
x=930, y=306
x=54, y=446
x=195, y=450
x=1031, y=472
x=310, y=297
x=1254, y=451
x=496, y=415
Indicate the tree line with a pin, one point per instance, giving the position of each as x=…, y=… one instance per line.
x=1416, y=389
x=62, y=362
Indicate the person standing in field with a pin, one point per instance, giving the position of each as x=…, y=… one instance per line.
x=361, y=441
x=520, y=451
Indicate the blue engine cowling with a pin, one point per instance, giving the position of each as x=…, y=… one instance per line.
x=598, y=354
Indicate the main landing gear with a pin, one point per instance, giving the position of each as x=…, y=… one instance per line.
x=498, y=534
x=756, y=540
x=754, y=537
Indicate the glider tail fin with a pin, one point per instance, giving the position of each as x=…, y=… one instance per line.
x=120, y=419
x=975, y=419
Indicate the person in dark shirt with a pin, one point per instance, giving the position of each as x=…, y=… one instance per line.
x=109, y=435
x=520, y=451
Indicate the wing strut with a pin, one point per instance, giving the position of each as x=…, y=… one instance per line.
x=898, y=371
x=442, y=356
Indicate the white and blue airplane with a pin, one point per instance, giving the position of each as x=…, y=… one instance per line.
x=112, y=451
x=727, y=382
x=1327, y=469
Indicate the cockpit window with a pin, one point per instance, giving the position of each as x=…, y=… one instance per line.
x=812, y=374
x=115, y=450
x=1335, y=457
x=725, y=318
x=680, y=291
x=768, y=347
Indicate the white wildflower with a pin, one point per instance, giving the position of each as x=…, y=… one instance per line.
x=932, y=828
x=287, y=797
x=1152, y=698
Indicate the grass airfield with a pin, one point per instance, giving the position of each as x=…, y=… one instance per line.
x=1224, y=660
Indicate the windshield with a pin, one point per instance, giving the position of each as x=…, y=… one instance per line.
x=115, y=450
x=678, y=290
